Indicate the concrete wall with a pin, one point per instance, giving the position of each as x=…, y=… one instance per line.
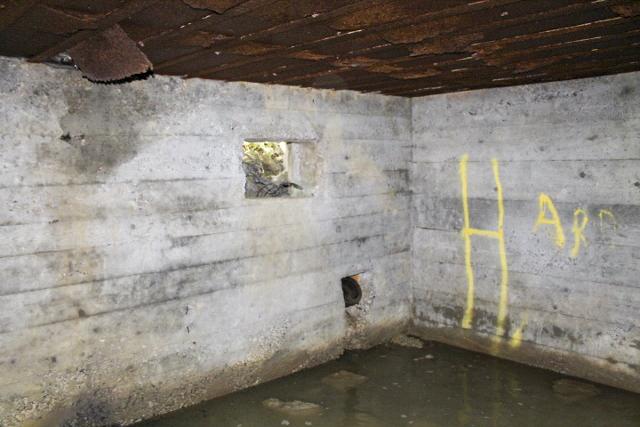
x=136, y=278
x=573, y=307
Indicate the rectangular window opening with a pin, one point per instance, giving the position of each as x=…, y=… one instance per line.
x=278, y=168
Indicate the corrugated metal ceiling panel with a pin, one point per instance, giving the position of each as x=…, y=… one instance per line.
x=395, y=47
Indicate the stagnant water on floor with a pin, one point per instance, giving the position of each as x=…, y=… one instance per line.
x=436, y=386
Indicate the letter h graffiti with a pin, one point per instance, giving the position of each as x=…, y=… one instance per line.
x=467, y=232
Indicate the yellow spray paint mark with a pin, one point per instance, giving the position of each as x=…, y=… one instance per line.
x=577, y=230
x=612, y=219
x=516, y=338
x=545, y=202
x=467, y=232
x=608, y=214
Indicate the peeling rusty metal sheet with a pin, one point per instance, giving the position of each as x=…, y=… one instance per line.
x=110, y=56
x=400, y=47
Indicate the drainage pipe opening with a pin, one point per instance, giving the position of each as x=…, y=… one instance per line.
x=351, y=291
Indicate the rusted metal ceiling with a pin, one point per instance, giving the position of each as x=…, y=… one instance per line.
x=395, y=47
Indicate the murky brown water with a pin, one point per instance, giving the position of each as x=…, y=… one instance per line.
x=455, y=388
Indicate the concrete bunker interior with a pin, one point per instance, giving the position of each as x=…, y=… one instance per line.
x=134, y=265
x=138, y=277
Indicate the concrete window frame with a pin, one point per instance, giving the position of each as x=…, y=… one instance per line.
x=300, y=166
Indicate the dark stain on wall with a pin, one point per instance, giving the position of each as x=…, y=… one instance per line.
x=453, y=314
x=626, y=91
x=558, y=332
x=97, y=140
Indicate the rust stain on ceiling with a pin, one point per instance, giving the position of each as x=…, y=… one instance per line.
x=426, y=30
x=354, y=61
x=310, y=55
x=395, y=47
x=415, y=74
x=628, y=9
x=461, y=43
x=254, y=48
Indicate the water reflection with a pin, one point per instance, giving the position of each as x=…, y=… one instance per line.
x=404, y=387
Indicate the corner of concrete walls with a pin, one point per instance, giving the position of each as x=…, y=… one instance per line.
x=525, y=215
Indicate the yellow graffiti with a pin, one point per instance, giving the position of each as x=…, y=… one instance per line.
x=609, y=214
x=467, y=232
x=578, y=229
x=545, y=202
